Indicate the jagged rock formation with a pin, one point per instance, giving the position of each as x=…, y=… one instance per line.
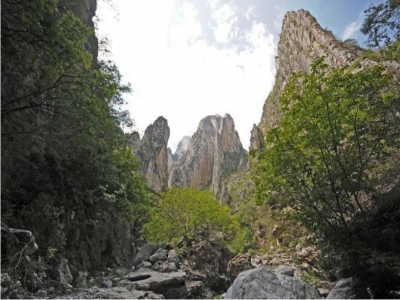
x=152, y=153
x=213, y=153
x=303, y=40
x=182, y=148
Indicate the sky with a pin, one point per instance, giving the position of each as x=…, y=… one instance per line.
x=187, y=59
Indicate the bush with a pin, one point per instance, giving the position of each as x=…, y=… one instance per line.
x=183, y=212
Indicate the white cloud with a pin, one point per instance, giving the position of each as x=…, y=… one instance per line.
x=213, y=4
x=250, y=13
x=178, y=74
x=225, y=18
x=351, y=29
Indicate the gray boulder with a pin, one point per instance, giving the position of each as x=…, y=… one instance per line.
x=173, y=257
x=159, y=255
x=144, y=253
x=170, y=285
x=145, y=264
x=344, y=289
x=263, y=283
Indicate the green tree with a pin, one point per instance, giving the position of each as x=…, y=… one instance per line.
x=336, y=127
x=382, y=27
x=68, y=174
x=182, y=212
x=333, y=159
x=382, y=23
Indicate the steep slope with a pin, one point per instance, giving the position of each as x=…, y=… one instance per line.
x=213, y=153
x=180, y=150
x=152, y=154
x=303, y=40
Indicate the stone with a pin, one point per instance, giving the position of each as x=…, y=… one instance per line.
x=165, y=266
x=344, y=289
x=301, y=289
x=285, y=270
x=263, y=283
x=193, y=288
x=144, y=253
x=107, y=283
x=145, y=264
x=63, y=273
x=159, y=255
x=239, y=263
x=214, y=152
x=170, y=285
x=323, y=292
x=173, y=257
x=114, y=293
x=41, y=294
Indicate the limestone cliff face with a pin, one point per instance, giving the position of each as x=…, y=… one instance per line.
x=180, y=150
x=214, y=152
x=302, y=40
x=152, y=154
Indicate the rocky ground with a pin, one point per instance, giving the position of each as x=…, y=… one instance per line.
x=194, y=269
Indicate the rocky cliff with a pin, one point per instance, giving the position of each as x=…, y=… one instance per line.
x=213, y=153
x=152, y=154
x=303, y=40
x=180, y=150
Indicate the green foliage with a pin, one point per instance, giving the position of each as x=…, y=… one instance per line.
x=334, y=127
x=338, y=135
x=381, y=23
x=184, y=212
x=68, y=174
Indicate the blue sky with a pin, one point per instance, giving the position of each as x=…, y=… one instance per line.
x=187, y=59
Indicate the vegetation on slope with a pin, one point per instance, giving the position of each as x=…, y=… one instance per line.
x=183, y=212
x=67, y=173
x=325, y=161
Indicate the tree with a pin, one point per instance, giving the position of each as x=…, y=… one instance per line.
x=382, y=23
x=336, y=127
x=334, y=160
x=68, y=174
x=182, y=212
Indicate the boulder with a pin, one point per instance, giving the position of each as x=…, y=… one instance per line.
x=145, y=264
x=114, y=293
x=170, y=285
x=301, y=289
x=173, y=257
x=144, y=253
x=41, y=294
x=344, y=289
x=263, y=283
x=165, y=266
x=239, y=263
x=159, y=255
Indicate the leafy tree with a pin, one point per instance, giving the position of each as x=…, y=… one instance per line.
x=68, y=174
x=335, y=127
x=338, y=133
x=182, y=212
x=382, y=23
